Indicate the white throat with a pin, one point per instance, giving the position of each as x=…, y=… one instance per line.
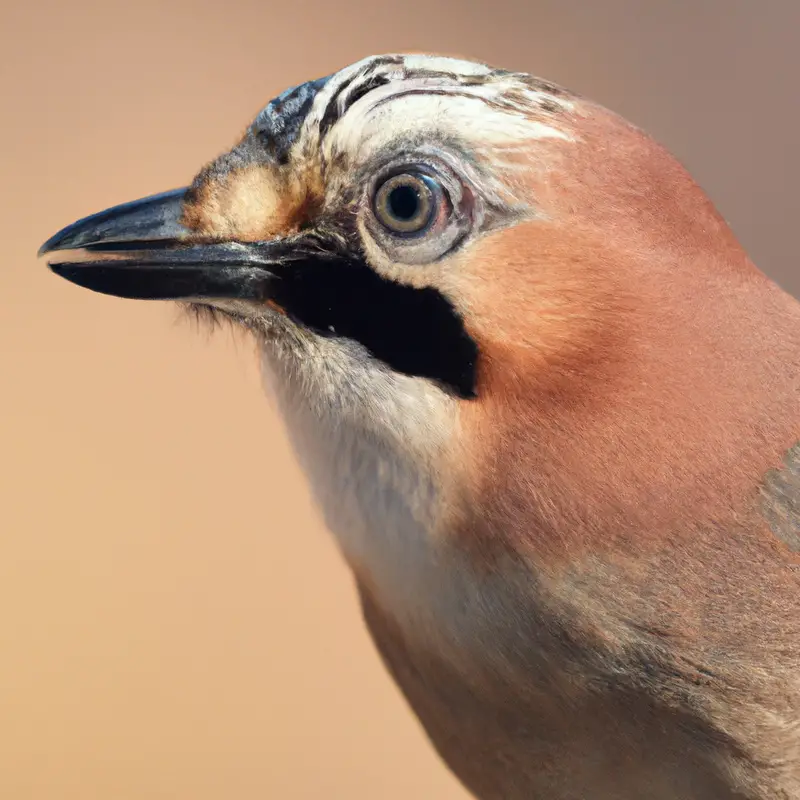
x=370, y=443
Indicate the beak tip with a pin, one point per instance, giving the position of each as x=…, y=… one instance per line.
x=49, y=246
x=68, y=238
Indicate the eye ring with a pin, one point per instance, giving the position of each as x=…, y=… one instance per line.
x=407, y=204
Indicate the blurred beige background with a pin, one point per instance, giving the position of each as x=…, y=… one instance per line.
x=174, y=620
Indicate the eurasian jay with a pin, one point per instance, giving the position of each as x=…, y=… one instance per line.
x=547, y=405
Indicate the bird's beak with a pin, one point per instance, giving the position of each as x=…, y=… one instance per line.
x=141, y=250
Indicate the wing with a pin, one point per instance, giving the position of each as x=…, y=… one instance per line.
x=780, y=494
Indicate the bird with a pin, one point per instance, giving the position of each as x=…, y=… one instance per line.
x=545, y=402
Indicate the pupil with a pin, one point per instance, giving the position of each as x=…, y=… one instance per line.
x=404, y=202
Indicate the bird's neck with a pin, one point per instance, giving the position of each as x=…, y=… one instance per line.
x=369, y=453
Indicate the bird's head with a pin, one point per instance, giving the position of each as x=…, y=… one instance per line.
x=428, y=242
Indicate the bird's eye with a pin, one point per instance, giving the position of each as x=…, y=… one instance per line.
x=407, y=204
x=419, y=209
